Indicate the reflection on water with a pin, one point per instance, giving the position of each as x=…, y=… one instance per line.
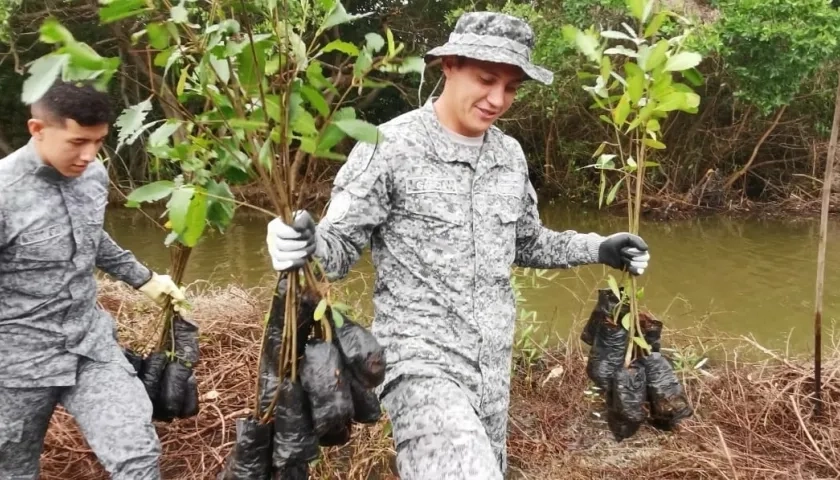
x=738, y=276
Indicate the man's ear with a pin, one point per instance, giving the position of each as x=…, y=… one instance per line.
x=36, y=127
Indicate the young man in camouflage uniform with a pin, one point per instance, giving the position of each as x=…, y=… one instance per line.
x=56, y=345
x=448, y=207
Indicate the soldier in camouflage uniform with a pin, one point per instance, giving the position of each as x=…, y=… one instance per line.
x=56, y=345
x=446, y=203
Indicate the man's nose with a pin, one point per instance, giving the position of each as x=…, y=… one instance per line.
x=89, y=153
x=496, y=97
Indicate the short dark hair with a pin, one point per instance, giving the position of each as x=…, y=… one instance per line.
x=78, y=101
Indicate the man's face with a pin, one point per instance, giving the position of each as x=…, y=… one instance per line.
x=69, y=148
x=481, y=92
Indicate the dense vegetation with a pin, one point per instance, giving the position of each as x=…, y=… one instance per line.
x=760, y=133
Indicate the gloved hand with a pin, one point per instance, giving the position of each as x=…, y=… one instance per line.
x=624, y=251
x=290, y=246
x=159, y=287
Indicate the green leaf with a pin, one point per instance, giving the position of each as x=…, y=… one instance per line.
x=640, y=341
x=160, y=137
x=179, y=14
x=337, y=16
x=657, y=56
x=54, y=32
x=655, y=24
x=602, y=189
x=314, y=97
x=615, y=35
x=375, y=42
x=42, y=74
x=635, y=81
x=178, y=207
x=220, y=68
x=337, y=318
x=121, y=9
x=304, y=123
x=614, y=191
x=654, y=144
x=390, y=37
x=693, y=76
x=637, y=8
x=320, y=309
x=625, y=321
x=683, y=61
x=360, y=130
x=220, y=210
x=246, y=124
x=196, y=220
x=622, y=110
x=341, y=46
x=412, y=65
x=613, y=286
x=151, y=192
x=130, y=122
x=158, y=35
x=251, y=68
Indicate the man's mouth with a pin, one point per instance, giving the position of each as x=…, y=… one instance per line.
x=486, y=113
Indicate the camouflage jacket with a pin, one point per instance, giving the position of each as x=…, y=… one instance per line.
x=443, y=238
x=51, y=239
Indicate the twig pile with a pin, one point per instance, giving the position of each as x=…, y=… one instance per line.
x=750, y=422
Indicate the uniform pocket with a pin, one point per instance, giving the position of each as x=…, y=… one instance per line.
x=48, y=244
x=437, y=198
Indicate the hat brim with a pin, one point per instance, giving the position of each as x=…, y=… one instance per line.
x=496, y=55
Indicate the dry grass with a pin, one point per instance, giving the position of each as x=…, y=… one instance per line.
x=752, y=421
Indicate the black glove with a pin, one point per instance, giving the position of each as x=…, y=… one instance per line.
x=624, y=251
x=290, y=246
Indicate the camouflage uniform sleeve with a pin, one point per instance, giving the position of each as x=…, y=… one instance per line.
x=358, y=204
x=540, y=247
x=120, y=263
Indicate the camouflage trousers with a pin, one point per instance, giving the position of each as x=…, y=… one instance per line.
x=439, y=435
x=111, y=407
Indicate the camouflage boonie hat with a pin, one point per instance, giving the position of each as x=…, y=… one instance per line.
x=494, y=37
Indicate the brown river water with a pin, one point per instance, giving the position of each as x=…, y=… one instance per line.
x=716, y=277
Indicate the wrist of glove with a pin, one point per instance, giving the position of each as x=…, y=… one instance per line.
x=625, y=252
x=160, y=287
x=290, y=246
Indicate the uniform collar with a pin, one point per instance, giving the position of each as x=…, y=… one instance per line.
x=33, y=163
x=440, y=140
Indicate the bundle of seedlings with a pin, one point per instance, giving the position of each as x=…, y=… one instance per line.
x=317, y=372
x=167, y=369
x=635, y=88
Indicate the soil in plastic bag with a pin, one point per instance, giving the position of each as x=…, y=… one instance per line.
x=652, y=329
x=173, y=390
x=606, y=355
x=603, y=310
x=153, y=368
x=186, y=339
x=337, y=437
x=362, y=354
x=294, y=436
x=626, y=400
x=366, y=406
x=269, y=363
x=327, y=386
x=134, y=359
x=668, y=402
x=296, y=471
x=250, y=458
x=190, y=406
